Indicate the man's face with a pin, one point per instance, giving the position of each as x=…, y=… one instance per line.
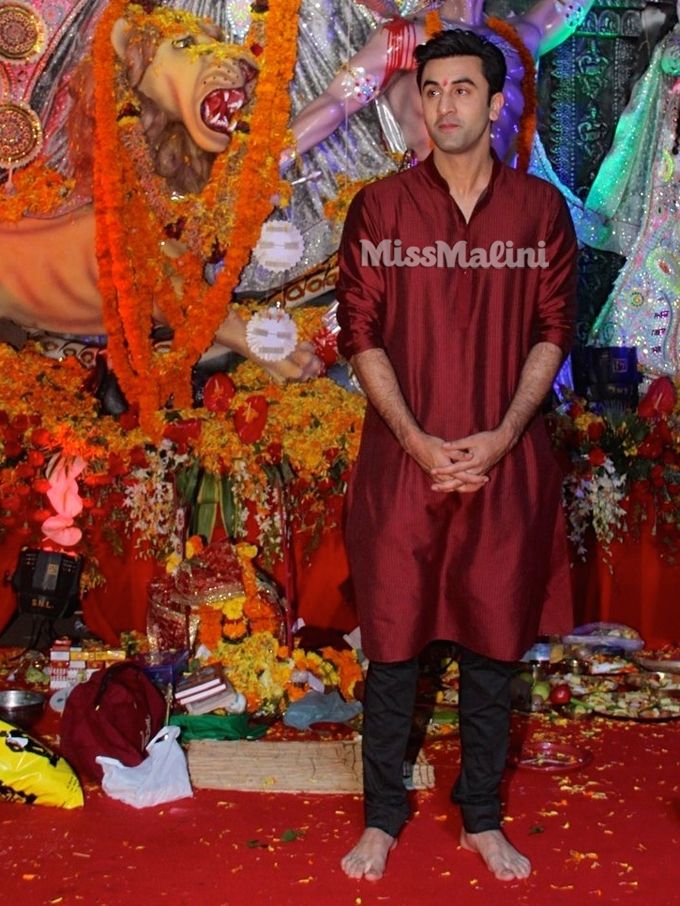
x=456, y=108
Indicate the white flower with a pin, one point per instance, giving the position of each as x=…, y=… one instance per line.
x=595, y=501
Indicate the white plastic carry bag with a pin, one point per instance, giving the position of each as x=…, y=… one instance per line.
x=161, y=777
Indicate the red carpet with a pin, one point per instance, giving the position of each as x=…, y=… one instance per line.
x=609, y=832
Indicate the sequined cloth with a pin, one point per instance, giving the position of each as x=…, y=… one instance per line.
x=636, y=197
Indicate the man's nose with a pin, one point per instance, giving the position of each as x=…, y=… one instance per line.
x=447, y=102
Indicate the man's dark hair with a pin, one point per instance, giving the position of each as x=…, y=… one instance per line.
x=457, y=42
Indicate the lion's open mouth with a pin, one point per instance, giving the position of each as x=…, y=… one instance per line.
x=218, y=109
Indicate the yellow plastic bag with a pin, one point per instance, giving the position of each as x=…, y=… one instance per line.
x=33, y=774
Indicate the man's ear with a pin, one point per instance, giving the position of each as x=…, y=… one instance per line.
x=119, y=37
x=496, y=105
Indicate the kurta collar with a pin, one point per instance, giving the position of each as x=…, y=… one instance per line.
x=430, y=171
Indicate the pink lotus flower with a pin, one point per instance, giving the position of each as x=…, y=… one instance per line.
x=64, y=496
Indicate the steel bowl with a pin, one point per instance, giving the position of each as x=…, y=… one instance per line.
x=21, y=708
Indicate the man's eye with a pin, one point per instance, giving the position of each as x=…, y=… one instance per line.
x=183, y=43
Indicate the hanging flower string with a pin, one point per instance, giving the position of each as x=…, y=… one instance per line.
x=527, y=121
x=135, y=274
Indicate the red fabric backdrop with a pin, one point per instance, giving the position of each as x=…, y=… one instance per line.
x=642, y=590
x=316, y=582
x=639, y=588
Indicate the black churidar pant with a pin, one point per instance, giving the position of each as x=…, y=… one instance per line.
x=484, y=711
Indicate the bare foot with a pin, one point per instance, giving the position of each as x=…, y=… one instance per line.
x=500, y=856
x=369, y=856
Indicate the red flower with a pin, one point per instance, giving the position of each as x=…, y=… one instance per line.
x=218, y=393
x=657, y=476
x=20, y=423
x=326, y=346
x=250, y=418
x=41, y=437
x=116, y=465
x=13, y=448
x=96, y=479
x=595, y=430
x=663, y=432
x=97, y=511
x=275, y=451
x=41, y=485
x=138, y=458
x=41, y=515
x=129, y=420
x=660, y=399
x=181, y=432
x=24, y=470
x=651, y=447
x=596, y=457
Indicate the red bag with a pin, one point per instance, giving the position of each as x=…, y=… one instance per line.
x=115, y=713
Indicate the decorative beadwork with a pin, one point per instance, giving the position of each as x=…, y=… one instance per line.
x=22, y=33
x=21, y=136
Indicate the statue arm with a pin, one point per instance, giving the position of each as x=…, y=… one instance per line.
x=324, y=114
x=550, y=22
x=301, y=365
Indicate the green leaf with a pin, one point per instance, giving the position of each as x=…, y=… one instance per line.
x=203, y=520
x=209, y=489
x=186, y=482
x=228, y=507
x=290, y=834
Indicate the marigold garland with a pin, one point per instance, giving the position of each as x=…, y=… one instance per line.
x=527, y=120
x=38, y=190
x=132, y=276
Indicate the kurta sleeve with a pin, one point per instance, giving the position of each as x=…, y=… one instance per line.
x=555, y=318
x=360, y=288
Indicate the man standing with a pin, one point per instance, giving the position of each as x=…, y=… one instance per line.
x=454, y=526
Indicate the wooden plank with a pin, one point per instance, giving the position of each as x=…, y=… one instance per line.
x=314, y=766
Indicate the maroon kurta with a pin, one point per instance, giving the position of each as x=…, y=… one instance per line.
x=488, y=569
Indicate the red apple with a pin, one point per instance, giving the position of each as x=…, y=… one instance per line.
x=560, y=694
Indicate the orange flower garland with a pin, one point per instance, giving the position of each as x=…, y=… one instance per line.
x=38, y=190
x=134, y=273
x=527, y=121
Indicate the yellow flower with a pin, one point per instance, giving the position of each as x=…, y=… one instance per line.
x=172, y=563
x=233, y=607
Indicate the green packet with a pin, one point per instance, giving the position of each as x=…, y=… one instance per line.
x=217, y=726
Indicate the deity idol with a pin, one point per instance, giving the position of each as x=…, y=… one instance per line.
x=170, y=143
x=636, y=200
x=383, y=71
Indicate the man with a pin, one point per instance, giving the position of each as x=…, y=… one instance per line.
x=383, y=71
x=454, y=524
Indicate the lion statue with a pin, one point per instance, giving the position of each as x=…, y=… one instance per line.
x=184, y=89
